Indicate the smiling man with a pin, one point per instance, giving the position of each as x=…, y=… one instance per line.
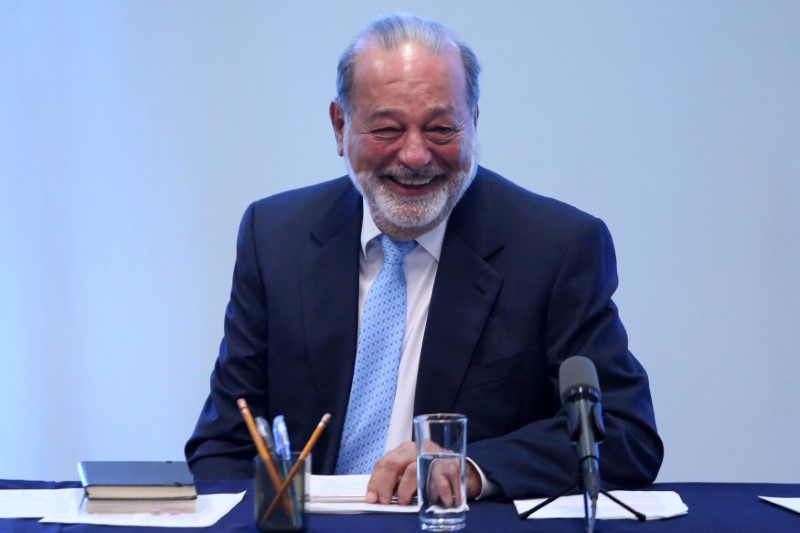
x=422, y=283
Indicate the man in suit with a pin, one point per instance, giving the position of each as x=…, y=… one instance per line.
x=502, y=286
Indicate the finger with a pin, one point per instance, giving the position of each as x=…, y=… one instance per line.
x=381, y=485
x=446, y=482
x=387, y=473
x=440, y=491
x=408, y=484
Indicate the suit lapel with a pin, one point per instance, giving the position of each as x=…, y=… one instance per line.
x=329, y=276
x=463, y=295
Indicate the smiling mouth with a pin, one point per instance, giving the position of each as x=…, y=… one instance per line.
x=415, y=182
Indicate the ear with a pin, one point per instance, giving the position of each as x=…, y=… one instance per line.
x=475, y=116
x=337, y=121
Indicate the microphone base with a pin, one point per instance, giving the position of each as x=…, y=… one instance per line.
x=641, y=517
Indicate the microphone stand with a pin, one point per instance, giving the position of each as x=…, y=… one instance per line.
x=589, y=518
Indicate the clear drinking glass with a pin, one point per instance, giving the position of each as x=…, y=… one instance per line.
x=441, y=471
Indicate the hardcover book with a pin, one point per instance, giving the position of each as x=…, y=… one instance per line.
x=137, y=480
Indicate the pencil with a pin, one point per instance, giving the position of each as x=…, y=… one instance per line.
x=306, y=450
x=262, y=451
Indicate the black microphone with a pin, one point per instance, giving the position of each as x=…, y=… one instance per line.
x=580, y=394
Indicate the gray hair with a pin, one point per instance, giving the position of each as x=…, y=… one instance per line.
x=391, y=31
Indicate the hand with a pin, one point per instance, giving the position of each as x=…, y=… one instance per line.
x=395, y=474
x=443, y=484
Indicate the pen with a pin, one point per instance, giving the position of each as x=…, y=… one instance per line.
x=266, y=434
x=283, y=449
x=306, y=450
x=281, y=434
x=262, y=451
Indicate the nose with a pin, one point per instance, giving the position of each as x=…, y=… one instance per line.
x=414, y=152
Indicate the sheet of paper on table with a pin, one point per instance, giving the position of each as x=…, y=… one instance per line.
x=793, y=504
x=65, y=506
x=654, y=504
x=345, y=494
x=35, y=503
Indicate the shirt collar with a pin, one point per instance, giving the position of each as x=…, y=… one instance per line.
x=430, y=241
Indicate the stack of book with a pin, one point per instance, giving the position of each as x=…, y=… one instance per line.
x=137, y=486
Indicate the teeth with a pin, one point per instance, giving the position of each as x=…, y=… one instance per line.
x=413, y=182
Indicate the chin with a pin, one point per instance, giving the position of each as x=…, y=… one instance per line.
x=410, y=213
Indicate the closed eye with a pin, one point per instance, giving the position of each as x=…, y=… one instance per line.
x=441, y=134
x=386, y=133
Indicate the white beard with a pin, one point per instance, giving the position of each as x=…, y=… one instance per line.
x=425, y=211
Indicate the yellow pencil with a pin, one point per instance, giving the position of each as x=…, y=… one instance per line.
x=306, y=450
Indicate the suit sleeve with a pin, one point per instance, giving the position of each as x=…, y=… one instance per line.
x=220, y=446
x=538, y=458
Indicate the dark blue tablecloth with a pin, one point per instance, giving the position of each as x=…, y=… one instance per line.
x=713, y=507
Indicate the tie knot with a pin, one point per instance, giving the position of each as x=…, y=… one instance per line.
x=394, y=251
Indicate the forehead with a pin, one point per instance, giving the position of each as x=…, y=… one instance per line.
x=409, y=69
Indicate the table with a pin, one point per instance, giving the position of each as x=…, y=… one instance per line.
x=713, y=507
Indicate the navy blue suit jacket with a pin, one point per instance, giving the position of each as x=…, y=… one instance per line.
x=523, y=282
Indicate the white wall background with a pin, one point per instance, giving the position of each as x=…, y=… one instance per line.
x=133, y=134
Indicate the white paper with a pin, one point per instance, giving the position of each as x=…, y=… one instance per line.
x=210, y=508
x=353, y=508
x=793, y=504
x=338, y=488
x=36, y=503
x=345, y=494
x=653, y=504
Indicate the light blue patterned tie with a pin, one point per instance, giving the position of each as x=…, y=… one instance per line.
x=383, y=322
